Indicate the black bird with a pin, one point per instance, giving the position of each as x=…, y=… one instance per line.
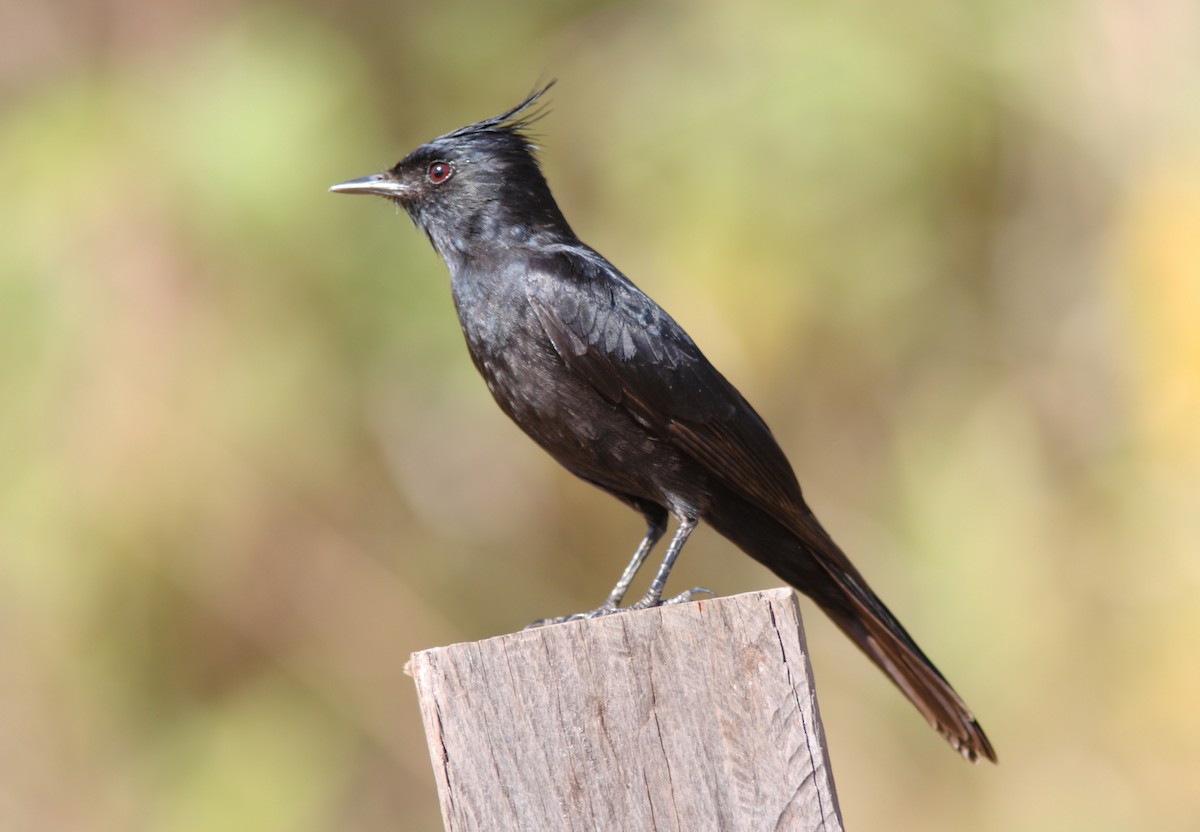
x=611, y=387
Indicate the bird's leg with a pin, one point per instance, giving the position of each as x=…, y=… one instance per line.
x=656, y=526
x=653, y=596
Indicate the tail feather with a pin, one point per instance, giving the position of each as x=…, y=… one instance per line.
x=877, y=632
x=802, y=553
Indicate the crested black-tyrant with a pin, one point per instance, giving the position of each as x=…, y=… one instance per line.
x=610, y=386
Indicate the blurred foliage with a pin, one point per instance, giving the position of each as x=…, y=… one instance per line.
x=951, y=251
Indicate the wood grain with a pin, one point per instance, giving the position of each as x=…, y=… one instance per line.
x=688, y=717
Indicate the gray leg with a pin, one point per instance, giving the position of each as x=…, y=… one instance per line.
x=656, y=525
x=653, y=596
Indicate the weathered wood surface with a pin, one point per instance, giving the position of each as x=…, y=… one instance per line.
x=697, y=716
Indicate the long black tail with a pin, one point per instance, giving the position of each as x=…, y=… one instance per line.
x=809, y=560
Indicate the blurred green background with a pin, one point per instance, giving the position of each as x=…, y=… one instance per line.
x=951, y=251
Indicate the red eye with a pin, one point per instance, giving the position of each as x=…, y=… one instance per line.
x=439, y=172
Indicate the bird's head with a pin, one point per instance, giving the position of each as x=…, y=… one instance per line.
x=475, y=187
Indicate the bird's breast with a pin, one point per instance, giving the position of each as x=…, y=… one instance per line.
x=527, y=376
x=509, y=346
x=559, y=409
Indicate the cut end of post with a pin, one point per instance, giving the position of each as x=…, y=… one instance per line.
x=711, y=699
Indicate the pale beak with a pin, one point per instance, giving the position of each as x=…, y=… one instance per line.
x=379, y=184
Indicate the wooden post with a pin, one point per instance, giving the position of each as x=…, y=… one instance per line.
x=693, y=716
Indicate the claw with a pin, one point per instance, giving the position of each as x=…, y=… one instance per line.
x=689, y=595
x=605, y=609
x=649, y=601
x=644, y=603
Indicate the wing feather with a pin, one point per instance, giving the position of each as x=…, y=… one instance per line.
x=637, y=357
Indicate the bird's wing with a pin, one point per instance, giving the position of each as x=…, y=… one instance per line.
x=612, y=335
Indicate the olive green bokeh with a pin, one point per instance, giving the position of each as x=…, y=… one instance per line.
x=950, y=251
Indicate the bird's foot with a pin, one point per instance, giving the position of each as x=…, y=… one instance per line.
x=647, y=601
x=604, y=609
x=650, y=600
